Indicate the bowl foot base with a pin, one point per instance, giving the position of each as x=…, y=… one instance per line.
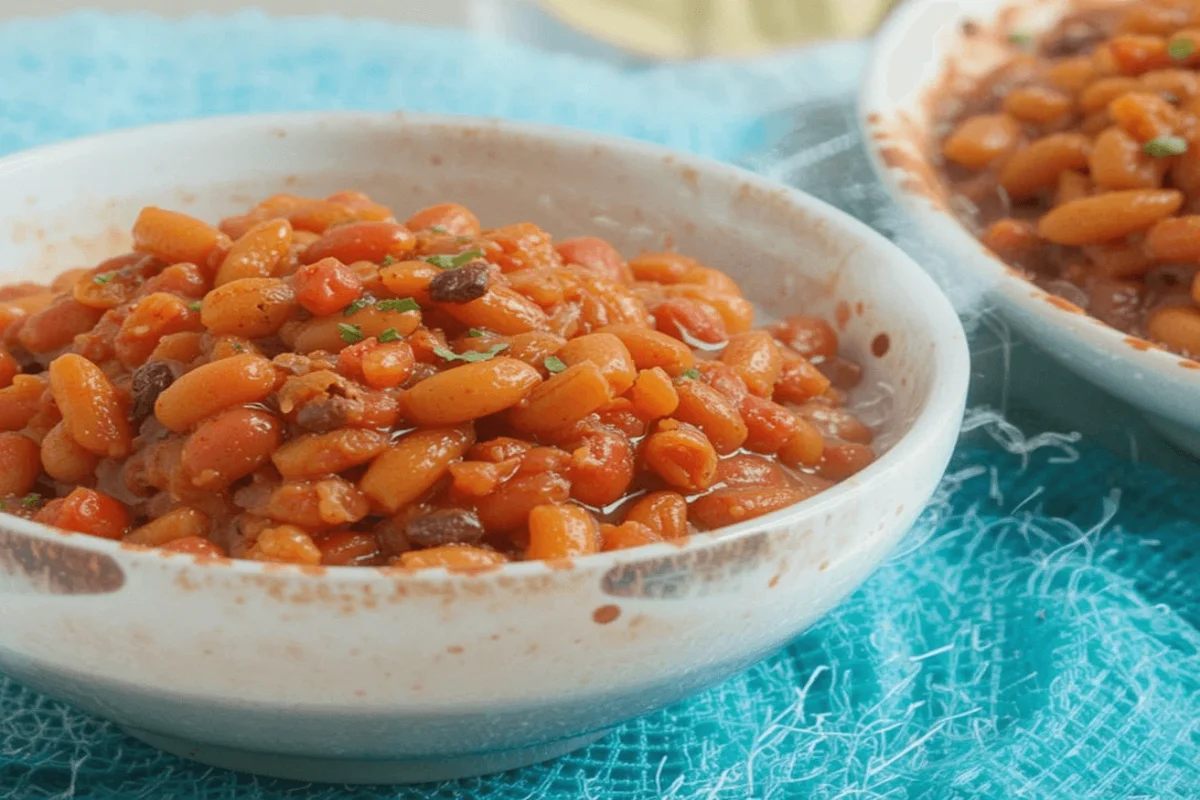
x=352, y=770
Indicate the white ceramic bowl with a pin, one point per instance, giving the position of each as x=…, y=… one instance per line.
x=921, y=53
x=358, y=674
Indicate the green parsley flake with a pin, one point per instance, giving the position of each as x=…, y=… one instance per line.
x=351, y=334
x=358, y=305
x=387, y=261
x=438, y=229
x=1165, y=146
x=475, y=333
x=454, y=262
x=31, y=500
x=1181, y=48
x=238, y=347
x=1020, y=39
x=103, y=278
x=401, y=304
x=692, y=374
x=471, y=356
x=554, y=364
x=196, y=305
x=389, y=335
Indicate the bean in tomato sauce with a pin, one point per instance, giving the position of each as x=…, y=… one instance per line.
x=319, y=382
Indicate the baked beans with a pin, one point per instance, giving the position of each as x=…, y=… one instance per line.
x=316, y=382
x=1078, y=162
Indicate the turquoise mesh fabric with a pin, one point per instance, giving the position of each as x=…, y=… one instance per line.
x=1034, y=637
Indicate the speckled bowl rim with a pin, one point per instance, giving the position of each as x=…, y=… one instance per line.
x=876, y=116
x=942, y=405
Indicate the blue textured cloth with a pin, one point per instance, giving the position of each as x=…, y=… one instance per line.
x=1035, y=636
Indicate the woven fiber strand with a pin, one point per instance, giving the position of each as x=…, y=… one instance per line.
x=1036, y=635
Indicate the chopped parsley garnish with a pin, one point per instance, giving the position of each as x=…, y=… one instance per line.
x=400, y=304
x=454, y=262
x=388, y=261
x=475, y=333
x=1165, y=146
x=31, y=500
x=1181, y=48
x=358, y=305
x=389, y=335
x=196, y=305
x=238, y=347
x=554, y=364
x=438, y=229
x=692, y=374
x=463, y=239
x=103, y=278
x=471, y=356
x=351, y=334
x=1020, y=39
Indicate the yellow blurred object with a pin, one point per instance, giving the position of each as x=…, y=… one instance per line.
x=696, y=28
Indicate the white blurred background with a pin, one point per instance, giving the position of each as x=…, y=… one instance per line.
x=649, y=28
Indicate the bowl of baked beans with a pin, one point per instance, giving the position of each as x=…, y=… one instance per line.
x=387, y=448
x=1051, y=149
